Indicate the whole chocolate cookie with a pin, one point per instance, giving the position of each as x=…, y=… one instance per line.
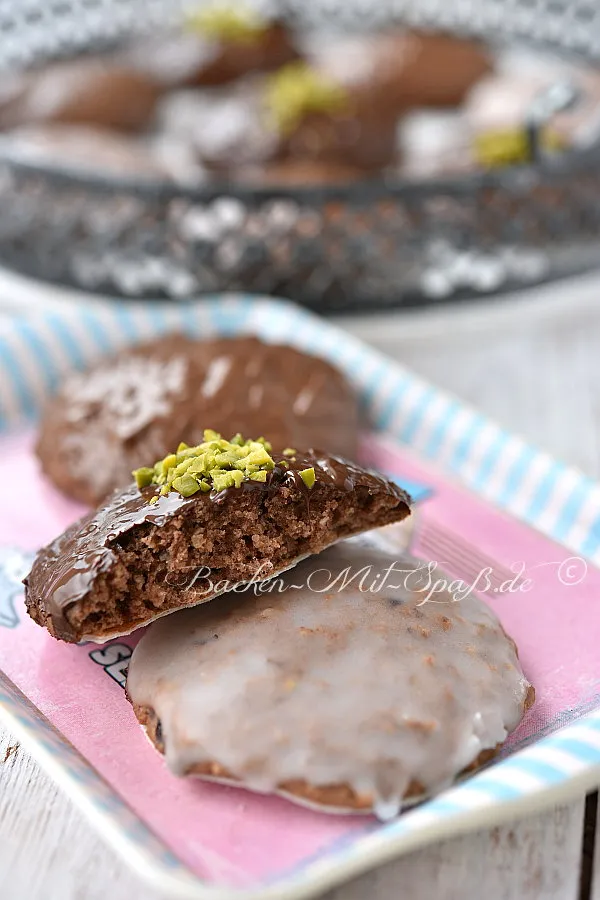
x=88, y=91
x=403, y=69
x=319, y=118
x=199, y=521
x=105, y=422
x=342, y=687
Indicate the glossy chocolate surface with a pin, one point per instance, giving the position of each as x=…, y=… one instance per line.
x=65, y=571
x=137, y=406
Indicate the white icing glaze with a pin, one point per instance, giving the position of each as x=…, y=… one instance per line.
x=171, y=59
x=355, y=60
x=217, y=372
x=132, y=394
x=366, y=686
x=223, y=124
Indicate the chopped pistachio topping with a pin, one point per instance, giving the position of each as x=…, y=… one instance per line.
x=289, y=451
x=308, y=477
x=227, y=21
x=215, y=464
x=258, y=476
x=297, y=90
x=510, y=147
x=143, y=477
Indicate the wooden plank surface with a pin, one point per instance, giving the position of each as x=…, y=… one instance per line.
x=47, y=849
x=531, y=365
x=529, y=860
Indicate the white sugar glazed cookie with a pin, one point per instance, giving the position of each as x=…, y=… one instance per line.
x=347, y=689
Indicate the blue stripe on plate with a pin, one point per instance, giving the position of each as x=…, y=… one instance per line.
x=497, y=790
x=125, y=325
x=544, y=492
x=578, y=747
x=516, y=475
x=230, y=317
x=544, y=771
x=408, y=428
x=35, y=344
x=157, y=318
x=467, y=441
x=16, y=379
x=571, y=507
x=371, y=383
x=591, y=543
x=73, y=350
x=97, y=330
x=444, y=422
x=393, y=403
x=490, y=461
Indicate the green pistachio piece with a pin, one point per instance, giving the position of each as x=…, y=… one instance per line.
x=260, y=458
x=185, y=485
x=507, y=147
x=181, y=468
x=198, y=466
x=308, y=477
x=259, y=476
x=169, y=462
x=143, y=476
x=227, y=21
x=227, y=459
x=215, y=464
x=296, y=90
x=209, y=460
x=221, y=480
x=188, y=453
x=289, y=451
x=238, y=477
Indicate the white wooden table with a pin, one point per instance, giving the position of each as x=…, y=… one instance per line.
x=532, y=363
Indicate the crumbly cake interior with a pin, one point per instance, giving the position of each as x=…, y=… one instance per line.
x=251, y=534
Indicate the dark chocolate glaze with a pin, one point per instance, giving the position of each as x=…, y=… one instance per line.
x=138, y=405
x=329, y=470
x=384, y=75
x=401, y=69
x=65, y=571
